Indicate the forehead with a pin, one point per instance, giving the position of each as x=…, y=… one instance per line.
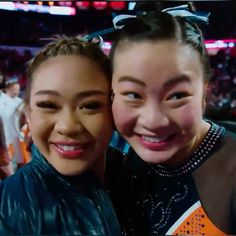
x=154, y=53
x=14, y=86
x=161, y=60
x=67, y=62
x=67, y=70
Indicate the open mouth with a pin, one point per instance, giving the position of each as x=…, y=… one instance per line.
x=68, y=147
x=69, y=151
x=154, y=139
x=156, y=143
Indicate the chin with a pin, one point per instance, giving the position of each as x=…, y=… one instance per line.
x=154, y=157
x=71, y=172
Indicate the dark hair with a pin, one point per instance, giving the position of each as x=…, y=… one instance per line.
x=63, y=45
x=157, y=25
x=10, y=82
x=2, y=82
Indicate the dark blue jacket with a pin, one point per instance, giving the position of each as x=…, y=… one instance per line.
x=38, y=200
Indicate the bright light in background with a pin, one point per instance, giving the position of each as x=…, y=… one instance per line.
x=100, y=5
x=37, y=8
x=55, y=10
x=131, y=5
x=7, y=6
x=213, y=46
x=51, y=3
x=84, y=5
x=117, y=5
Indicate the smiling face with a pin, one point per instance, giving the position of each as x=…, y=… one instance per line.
x=69, y=116
x=158, y=102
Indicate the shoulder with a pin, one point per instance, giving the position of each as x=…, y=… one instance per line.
x=114, y=157
x=28, y=186
x=228, y=145
x=228, y=165
x=5, y=229
x=122, y=169
x=223, y=160
x=115, y=164
x=18, y=101
x=226, y=149
x=15, y=195
x=26, y=197
x=17, y=186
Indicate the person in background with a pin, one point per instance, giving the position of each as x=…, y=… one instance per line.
x=67, y=104
x=179, y=175
x=6, y=111
x=12, y=89
x=14, y=114
x=4, y=158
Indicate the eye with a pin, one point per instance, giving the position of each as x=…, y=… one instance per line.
x=132, y=95
x=178, y=96
x=47, y=105
x=91, y=106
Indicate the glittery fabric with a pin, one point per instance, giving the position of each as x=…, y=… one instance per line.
x=153, y=199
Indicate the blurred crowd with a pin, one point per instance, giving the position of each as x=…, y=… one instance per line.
x=221, y=97
x=13, y=65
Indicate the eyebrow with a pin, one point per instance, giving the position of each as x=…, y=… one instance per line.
x=171, y=82
x=176, y=80
x=83, y=94
x=130, y=79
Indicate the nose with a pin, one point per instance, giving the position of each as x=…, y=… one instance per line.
x=152, y=117
x=68, y=123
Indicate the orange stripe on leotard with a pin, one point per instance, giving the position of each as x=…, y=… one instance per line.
x=195, y=222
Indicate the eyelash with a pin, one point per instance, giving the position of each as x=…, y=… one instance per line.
x=179, y=95
x=46, y=105
x=91, y=106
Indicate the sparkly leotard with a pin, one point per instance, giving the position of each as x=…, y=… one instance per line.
x=177, y=199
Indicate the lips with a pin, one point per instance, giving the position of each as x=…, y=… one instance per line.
x=156, y=143
x=69, y=150
x=153, y=139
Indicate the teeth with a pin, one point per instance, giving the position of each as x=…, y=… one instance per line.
x=154, y=139
x=68, y=148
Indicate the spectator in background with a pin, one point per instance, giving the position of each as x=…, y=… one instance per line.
x=12, y=89
x=6, y=111
x=13, y=115
x=4, y=157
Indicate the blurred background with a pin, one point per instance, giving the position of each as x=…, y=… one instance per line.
x=24, y=24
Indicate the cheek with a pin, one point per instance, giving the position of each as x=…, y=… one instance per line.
x=39, y=128
x=35, y=131
x=190, y=117
x=124, y=117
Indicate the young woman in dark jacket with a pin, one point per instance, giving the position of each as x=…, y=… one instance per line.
x=67, y=105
